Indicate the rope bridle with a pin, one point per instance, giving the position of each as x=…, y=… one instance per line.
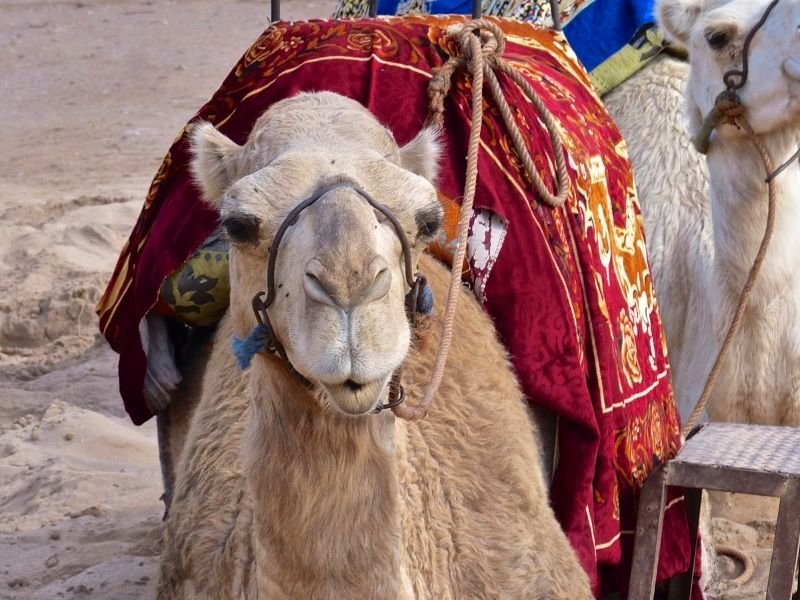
x=728, y=108
x=263, y=300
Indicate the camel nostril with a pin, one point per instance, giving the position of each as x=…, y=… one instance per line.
x=316, y=290
x=379, y=287
x=791, y=67
x=380, y=276
x=353, y=386
x=349, y=286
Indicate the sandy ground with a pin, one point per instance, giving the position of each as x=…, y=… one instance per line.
x=93, y=94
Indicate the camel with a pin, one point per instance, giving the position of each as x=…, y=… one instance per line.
x=293, y=486
x=703, y=241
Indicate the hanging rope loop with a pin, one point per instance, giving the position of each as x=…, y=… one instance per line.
x=479, y=46
x=491, y=46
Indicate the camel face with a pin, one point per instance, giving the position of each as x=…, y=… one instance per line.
x=339, y=309
x=714, y=32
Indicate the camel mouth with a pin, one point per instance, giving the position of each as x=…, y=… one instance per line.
x=353, y=386
x=355, y=399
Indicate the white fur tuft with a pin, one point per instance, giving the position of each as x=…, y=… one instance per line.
x=421, y=155
x=677, y=18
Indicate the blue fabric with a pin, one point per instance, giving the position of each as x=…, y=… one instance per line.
x=435, y=7
x=599, y=30
x=388, y=7
x=449, y=7
x=425, y=301
x=604, y=27
x=245, y=349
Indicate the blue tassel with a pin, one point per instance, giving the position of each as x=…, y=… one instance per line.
x=245, y=349
x=425, y=301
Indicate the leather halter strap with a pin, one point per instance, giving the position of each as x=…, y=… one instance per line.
x=263, y=300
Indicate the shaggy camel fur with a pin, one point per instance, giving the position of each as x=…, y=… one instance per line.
x=282, y=492
x=702, y=252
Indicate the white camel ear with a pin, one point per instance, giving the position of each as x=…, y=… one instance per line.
x=213, y=161
x=676, y=18
x=421, y=155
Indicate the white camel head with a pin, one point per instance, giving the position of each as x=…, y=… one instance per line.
x=339, y=310
x=714, y=32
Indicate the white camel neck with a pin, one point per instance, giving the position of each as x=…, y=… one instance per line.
x=739, y=201
x=324, y=494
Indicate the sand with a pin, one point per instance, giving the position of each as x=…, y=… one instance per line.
x=93, y=94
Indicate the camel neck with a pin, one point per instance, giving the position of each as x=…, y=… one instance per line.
x=739, y=205
x=324, y=494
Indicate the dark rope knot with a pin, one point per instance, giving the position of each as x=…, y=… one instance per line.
x=462, y=58
x=729, y=105
x=727, y=109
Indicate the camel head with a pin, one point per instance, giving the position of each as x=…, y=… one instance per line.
x=339, y=308
x=714, y=32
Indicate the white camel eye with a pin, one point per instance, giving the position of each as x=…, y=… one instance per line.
x=717, y=40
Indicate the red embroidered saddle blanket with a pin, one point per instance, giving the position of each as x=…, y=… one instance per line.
x=569, y=289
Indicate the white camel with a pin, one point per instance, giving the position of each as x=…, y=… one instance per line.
x=703, y=244
x=291, y=489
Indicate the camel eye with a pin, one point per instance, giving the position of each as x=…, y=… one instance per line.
x=428, y=221
x=242, y=228
x=717, y=40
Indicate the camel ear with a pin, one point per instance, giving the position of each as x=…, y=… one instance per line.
x=421, y=155
x=213, y=161
x=676, y=18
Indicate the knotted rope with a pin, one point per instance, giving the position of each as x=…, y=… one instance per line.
x=480, y=46
x=487, y=39
x=727, y=108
